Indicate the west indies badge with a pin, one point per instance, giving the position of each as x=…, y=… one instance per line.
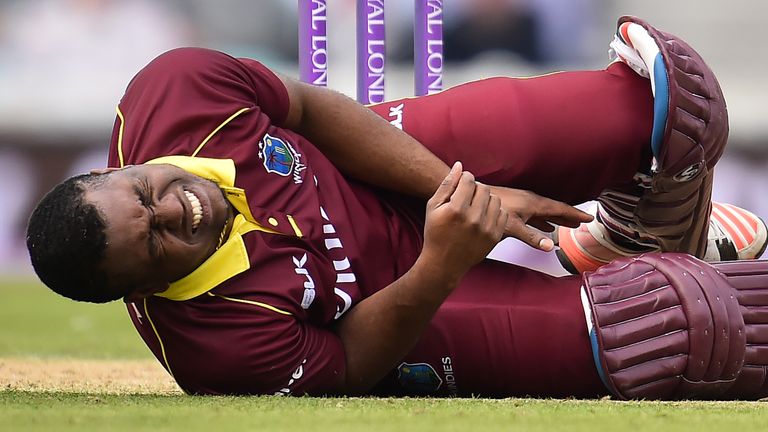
x=418, y=378
x=280, y=158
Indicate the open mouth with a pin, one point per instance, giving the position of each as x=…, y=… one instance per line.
x=197, y=209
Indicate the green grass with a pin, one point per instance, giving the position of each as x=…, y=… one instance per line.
x=36, y=322
x=65, y=412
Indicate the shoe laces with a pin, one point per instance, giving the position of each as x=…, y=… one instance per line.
x=619, y=51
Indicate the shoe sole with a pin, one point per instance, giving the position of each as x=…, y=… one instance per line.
x=561, y=256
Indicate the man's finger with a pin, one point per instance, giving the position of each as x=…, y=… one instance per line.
x=571, y=222
x=493, y=208
x=541, y=225
x=560, y=213
x=448, y=186
x=545, y=243
x=465, y=190
x=501, y=223
x=480, y=201
x=530, y=236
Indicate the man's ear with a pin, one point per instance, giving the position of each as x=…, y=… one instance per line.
x=98, y=171
x=145, y=290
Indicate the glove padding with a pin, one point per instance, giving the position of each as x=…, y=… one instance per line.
x=674, y=210
x=665, y=326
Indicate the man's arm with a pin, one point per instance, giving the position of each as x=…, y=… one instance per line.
x=360, y=143
x=464, y=222
x=366, y=147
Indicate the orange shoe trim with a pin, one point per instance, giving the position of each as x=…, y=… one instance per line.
x=580, y=261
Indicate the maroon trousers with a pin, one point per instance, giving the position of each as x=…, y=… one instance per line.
x=509, y=330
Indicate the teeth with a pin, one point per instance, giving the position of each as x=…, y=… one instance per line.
x=197, y=209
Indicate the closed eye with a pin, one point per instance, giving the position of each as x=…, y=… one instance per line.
x=144, y=193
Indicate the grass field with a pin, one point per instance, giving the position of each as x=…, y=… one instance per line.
x=66, y=366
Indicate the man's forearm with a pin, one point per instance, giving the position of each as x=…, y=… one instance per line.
x=363, y=145
x=379, y=331
x=463, y=223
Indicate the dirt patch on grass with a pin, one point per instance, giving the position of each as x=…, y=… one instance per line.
x=86, y=376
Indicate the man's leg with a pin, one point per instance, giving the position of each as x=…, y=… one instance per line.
x=658, y=326
x=505, y=331
x=670, y=209
x=567, y=136
x=583, y=135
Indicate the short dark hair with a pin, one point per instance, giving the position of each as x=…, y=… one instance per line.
x=67, y=242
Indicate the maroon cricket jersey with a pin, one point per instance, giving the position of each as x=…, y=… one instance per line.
x=350, y=244
x=331, y=242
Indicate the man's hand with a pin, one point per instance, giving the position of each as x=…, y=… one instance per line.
x=464, y=222
x=527, y=210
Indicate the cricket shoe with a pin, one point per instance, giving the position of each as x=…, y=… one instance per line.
x=734, y=234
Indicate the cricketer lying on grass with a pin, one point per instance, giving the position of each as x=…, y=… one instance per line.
x=273, y=237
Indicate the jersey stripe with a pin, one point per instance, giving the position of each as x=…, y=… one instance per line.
x=120, y=136
x=162, y=347
x=210, y=135
x=251, y=302
x=295, y=226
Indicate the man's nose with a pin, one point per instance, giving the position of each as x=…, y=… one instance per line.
x=169, y=212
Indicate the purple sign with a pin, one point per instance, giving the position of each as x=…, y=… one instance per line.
x=428, y=47
x=371, y=51
x=313, y=42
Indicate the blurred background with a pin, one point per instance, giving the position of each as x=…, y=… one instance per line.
x=65, y=63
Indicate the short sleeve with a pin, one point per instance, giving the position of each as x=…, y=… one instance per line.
x=271, y=90
x=185, y=96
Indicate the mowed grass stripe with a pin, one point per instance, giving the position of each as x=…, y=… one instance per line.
x=34, y=411
x=34, y=321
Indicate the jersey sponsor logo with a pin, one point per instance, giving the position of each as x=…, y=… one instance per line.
x=396, y=116
x=295, y=376
x=418, y=378
x=309, y=284
x=280, y=158
x=450, y=376
x=344, y=273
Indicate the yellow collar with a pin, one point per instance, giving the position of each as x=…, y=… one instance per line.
x=231, y=258
x=220, y=171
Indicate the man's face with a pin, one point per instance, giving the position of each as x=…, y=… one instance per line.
x=161, y=223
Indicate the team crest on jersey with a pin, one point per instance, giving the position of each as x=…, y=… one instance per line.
x=418, y=378
x=279, y=157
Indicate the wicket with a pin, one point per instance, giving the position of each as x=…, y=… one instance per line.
x=371, y=47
